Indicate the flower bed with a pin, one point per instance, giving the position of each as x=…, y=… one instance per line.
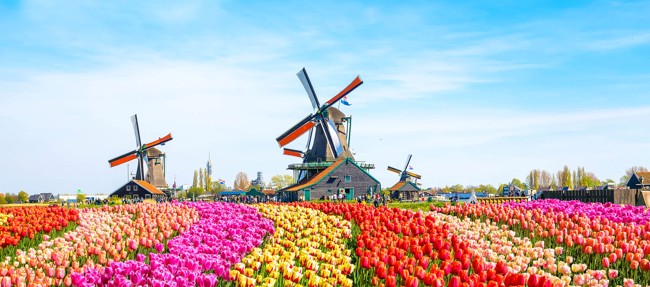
x=19, y=222
x=104, y=235
x=307, y=249
x=597, y=237
x=197, y=257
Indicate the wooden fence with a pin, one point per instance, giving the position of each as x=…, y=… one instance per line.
x=602, y=196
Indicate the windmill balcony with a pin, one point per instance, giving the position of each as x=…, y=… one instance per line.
x=325, y=164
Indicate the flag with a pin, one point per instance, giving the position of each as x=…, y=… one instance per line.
x=410, y=167
x=345, y=101
x=221, y=181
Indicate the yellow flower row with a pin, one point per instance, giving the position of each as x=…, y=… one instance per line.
x=307, y=249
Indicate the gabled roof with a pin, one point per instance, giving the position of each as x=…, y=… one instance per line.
x=401, y=184
x=645, y=175
x=323, y=174
x=268, y=191
x=147, y=186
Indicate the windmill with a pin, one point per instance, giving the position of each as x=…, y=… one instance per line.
x=323, y=125
x=405, y=175
x=140, y=153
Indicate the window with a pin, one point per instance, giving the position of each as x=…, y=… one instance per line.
x=348, y=178
x=128, y=188
x=135, y=188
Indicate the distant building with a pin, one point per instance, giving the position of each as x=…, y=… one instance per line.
x=138, y=189
x=404, y=190
x=639, y=180
x=42, y=197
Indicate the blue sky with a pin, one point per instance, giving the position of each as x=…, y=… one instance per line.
x=479, y=92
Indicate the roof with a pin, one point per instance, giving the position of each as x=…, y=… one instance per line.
x=645, y=175
x=316, y=178
x=150, y=188
x=401, y=184
x=232, y=193
x=268, y=191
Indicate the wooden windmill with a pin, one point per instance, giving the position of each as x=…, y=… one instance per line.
x=405, y=175
x=140, y=153
x=329, y=136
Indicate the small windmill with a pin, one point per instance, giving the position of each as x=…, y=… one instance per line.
x=405, y=175
x=140, y=152
x=327, y=145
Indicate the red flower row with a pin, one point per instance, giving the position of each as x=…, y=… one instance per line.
x=28, y=221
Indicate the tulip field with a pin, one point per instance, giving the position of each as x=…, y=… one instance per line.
x=543, y=243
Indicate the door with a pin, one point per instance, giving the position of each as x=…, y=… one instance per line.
x=349, y=193
x=307, y=195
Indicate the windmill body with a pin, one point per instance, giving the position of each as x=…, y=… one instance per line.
x=327, y=148
x=406, y=188
x=141, y=155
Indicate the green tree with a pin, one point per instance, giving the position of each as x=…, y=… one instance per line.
x=516, y=182
x=3, y=200
x=487, y=188
x=81, y=198
x=23, y=196
x=564, y=178
x=457, y=188
x=241, y=182
x=195, y=181
x=500, y=189
x=280, y=181
x=9, y=198
x=194, y=192
x=201, y=178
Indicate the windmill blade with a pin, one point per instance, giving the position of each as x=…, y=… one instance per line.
x=390, y=168
x=415, y=175
x=294, y=132
x=136, y=130
x=129, y=156
x=304, y=79
x=159, y=141
x=332, y=137
x=408, y=160
x=293, y=152
x=353, y=85
x=311, y=131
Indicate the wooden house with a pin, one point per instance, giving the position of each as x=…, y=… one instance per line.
x=344, y=176
x=404, y=190
x=138, y=189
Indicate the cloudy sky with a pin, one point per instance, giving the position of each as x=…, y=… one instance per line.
x=478, y=91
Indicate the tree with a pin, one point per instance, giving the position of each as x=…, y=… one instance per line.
x=457, y=188
x=2, y=199
x=533, y=179
x=23, y=196
x=554, y=183
x=195, y=182
x=628, y=173
x=9, y=198
x=545, y=178
x=500, y=189
x=201, y=178
x=242, y=182
x=280, y=181
x=81, y=198
x=487, y=189
x=195, y=192
x=564, y=177
x=516, y=182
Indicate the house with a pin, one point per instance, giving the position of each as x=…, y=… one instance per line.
x=41, y=197
x=343, y=176
x=639, y=180
x=138, y=189
x=404, y=190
